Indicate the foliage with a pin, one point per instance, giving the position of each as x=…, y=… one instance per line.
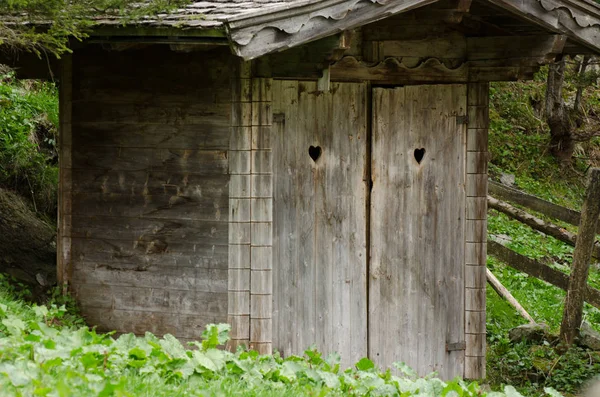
x=28, y=136
x=41, y=354
x=47, y=25
x=519, y=141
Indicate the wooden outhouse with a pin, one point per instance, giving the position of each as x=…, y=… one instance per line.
x=311, y=172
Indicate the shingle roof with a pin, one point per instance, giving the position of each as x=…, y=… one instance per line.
x=203, y=14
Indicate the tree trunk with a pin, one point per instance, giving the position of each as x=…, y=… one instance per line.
x=573, y=311
x=27, y=244
x=561, y=138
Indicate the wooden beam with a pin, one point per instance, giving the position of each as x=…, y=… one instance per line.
x=507, y=48
x=581, y=25
x=118, y=30
x=535, y=204
x=538, y=270
x=505, y=293
x=538, y=224
x=262, y=33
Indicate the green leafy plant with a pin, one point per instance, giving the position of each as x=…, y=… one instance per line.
x=41, y=355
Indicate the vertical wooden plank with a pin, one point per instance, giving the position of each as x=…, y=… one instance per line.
x=261, y=194
x=239, y=154
x=416, y=284
x=319, y=219
x=475, y=238
x=64, y=262
x=286, y=288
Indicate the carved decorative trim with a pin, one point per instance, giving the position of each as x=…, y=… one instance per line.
x=581, y=17
x=284, y=27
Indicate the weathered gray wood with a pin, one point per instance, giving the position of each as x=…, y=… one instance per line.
x=538, y=270
x=145, y=159
x=153, y=183
x=416, y=283
x=159, y=323
x=319, y=246
x=538, y=224
x=586, y=240
x=149, y=199
x=167, y=206
x=212, y=134
x=168, y=277
x=64, y=245
x=135, y=254
x=534, y=203
x=504, y=293
x=157, y=299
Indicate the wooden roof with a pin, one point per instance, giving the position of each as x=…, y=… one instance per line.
x=280, y=27
x=257, y=27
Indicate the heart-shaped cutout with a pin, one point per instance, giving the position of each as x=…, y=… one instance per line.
x=315, y=152
x=419, y=154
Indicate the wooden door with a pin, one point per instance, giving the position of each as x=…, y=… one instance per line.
x=416, y=272
x=320, y=218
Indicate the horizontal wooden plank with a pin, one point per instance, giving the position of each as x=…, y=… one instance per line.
x=534, y=203
x=476, y=345
x=240, y=326
x=155, y=276
x=167, y=113
x=150, y=159
x=159, y=323
x=506, y=47
x=176, y=207
x=156, y=299
x=538, y=270
x=93, y=181
x=131, y=254
x=475, y=321
x=449, y=46
x=149, y=229
x=239, y=303
x=213, y=134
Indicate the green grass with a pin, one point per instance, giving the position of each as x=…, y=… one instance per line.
x=518, y=146
x=28, y=136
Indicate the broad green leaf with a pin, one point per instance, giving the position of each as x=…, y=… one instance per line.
x=365, y=364
x=14, y=325
x=510, y=391
x=551, y=392
x=172, y=346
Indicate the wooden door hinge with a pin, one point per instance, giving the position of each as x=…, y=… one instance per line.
x=451, y=347
x=460, y=120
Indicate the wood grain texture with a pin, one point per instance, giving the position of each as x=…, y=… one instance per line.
x=149, y=199
x=64, y=243
x=416, y=281
x=319, y=246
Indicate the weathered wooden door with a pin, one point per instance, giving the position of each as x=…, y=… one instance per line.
x=325, y=217
x=319, y=212
x=416, y=271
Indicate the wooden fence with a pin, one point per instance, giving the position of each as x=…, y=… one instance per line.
x=522, y=263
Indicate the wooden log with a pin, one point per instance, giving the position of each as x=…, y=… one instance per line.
x=503, y=292
x=538, y=224
x=538, y=270
x=534, y=203
x=573, y=312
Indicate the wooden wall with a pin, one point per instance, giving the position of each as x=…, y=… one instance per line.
x=145, y=193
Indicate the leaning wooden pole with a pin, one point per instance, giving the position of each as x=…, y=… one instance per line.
x=573, y=311
x=504, y=293
x=538, y=224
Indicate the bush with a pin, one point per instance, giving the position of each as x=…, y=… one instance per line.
x=28, y=141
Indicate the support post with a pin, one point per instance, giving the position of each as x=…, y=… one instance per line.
x=573, y=311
